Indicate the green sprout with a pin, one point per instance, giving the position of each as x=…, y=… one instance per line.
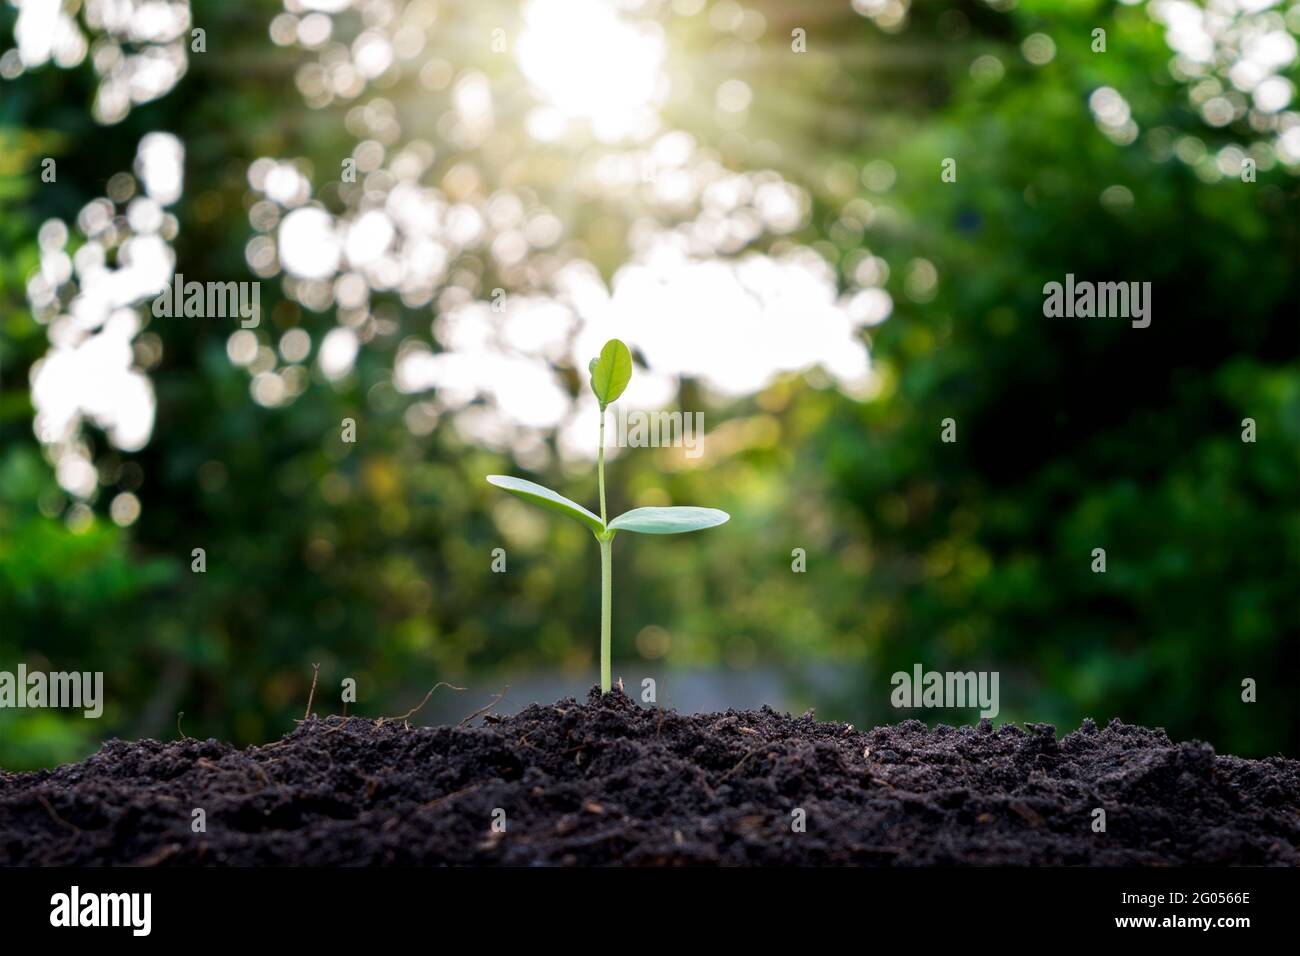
x=609, y=377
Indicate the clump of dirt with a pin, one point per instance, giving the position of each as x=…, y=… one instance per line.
x=607, y=782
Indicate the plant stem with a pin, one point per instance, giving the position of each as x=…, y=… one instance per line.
x=606, y=565
x=600, y=467
x=606, y=601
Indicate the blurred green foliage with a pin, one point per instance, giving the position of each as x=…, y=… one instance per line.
x=374, y=558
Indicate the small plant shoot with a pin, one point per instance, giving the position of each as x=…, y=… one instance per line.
x=610, y=374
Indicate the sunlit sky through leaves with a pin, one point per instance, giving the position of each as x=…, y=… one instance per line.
x=494, y=181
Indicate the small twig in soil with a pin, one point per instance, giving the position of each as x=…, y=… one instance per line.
x=170, y=850
x=179, y=715
x=57, y=819
x=438, y=801
x=416, y=708
x=76, y=830
x=315, y=675
x=739, y=763
x=492, y=703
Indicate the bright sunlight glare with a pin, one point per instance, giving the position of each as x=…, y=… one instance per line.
x=588, y=63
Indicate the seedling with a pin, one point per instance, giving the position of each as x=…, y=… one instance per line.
x=609, y=377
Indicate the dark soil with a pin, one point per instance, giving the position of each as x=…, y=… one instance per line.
x=609, y=782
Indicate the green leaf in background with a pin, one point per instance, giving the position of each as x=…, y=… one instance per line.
x=540, y=495
x=611, y=372
x=668, y=520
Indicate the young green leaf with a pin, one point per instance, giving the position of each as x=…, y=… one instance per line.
x=668, y=520
x=541, y=495
x=611, y=372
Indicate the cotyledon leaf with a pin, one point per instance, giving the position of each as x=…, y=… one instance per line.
x=668, y=520
x=541, y=495
x=611, y=372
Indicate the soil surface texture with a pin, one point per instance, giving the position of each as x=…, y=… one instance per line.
x=607, y=781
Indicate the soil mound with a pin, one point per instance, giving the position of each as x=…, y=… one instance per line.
x=606, y=781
